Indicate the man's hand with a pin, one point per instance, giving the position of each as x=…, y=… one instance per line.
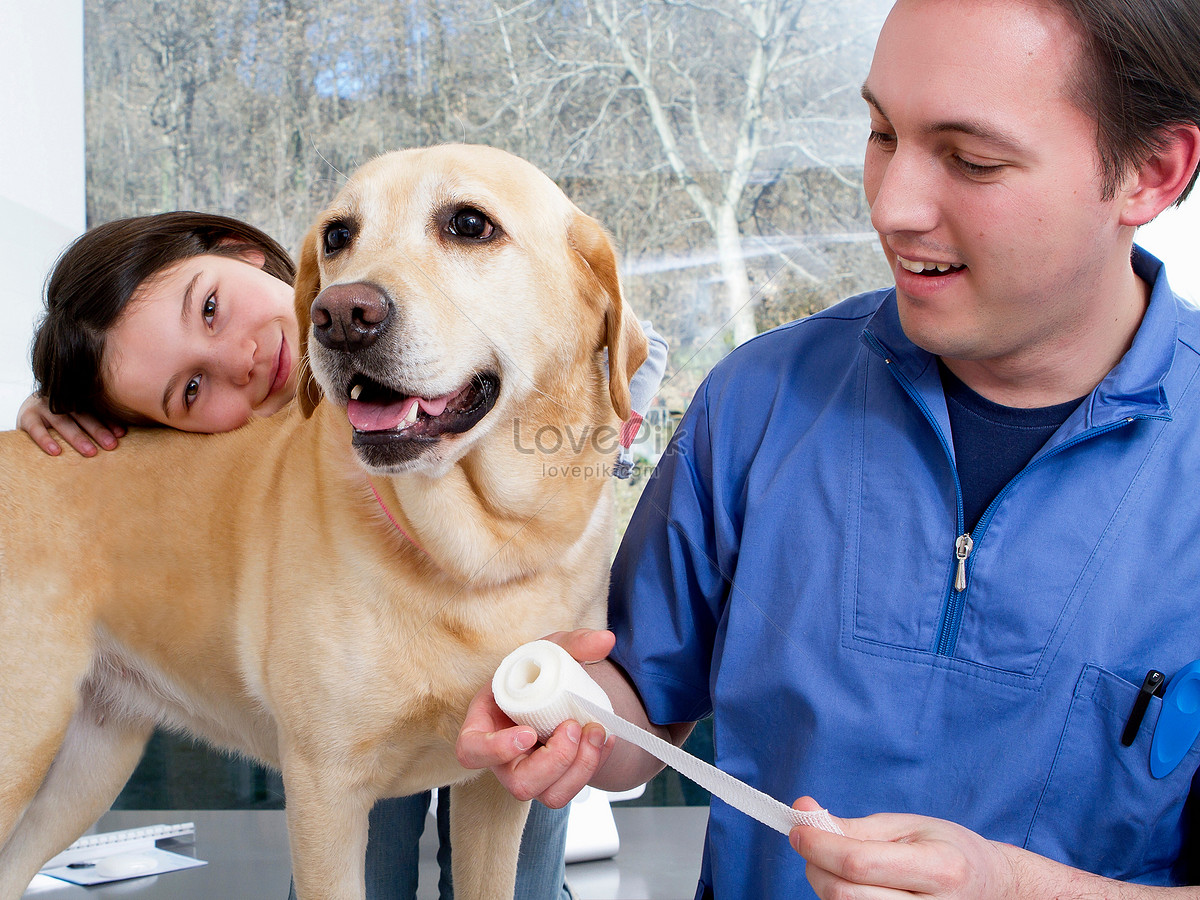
x=904, y=856
x=892, y=855
x=553, y=772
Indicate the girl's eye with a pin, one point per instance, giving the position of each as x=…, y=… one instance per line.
x=209, y=309
x=190, y=391
x=882, y=138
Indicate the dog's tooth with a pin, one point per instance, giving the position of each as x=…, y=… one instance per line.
x=356, y=392
x=411, y=416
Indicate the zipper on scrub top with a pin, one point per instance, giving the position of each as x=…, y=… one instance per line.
x=948, y=631
x=962, y=549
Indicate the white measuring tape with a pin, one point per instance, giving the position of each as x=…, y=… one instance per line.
x=541, y=685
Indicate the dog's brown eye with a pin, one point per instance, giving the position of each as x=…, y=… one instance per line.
x=337, y=237
x=469, y=222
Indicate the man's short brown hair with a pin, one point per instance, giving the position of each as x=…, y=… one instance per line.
x=1141, y=75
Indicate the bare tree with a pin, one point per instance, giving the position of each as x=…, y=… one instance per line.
x=731, y=93
x=685, y=125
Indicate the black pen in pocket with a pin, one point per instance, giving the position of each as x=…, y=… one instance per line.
x=1153, y=684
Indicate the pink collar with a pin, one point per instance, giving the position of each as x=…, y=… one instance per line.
x=392, y=519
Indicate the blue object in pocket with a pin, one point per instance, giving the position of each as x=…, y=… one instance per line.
x=1178, y=722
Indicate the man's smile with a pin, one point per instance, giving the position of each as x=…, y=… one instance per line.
x=927, y=267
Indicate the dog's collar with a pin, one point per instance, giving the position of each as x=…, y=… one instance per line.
x=387, y=512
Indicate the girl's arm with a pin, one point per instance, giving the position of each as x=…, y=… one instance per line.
x=80, y=430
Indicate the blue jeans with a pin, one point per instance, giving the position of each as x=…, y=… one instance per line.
x=395, y=834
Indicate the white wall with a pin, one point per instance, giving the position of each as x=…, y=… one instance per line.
x=41, y=169
x=1174, y=237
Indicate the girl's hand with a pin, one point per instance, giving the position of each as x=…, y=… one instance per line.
x=80, y=430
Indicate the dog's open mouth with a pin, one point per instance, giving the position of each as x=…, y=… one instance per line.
x=379, y=413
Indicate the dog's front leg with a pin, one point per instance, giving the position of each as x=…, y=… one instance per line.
x=327, y=831
x=485, y=831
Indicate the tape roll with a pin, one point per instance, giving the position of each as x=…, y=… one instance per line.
x=541, y=685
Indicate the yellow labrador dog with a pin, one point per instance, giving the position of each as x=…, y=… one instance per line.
x=325, y=590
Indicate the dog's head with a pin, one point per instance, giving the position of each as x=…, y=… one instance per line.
x=445, y=284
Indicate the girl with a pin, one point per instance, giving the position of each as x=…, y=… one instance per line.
x=197, y=304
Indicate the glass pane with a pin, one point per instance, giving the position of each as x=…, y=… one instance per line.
x=177, y=773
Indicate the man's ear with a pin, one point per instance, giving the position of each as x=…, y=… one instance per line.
x=1165, y=174
x=307, y=286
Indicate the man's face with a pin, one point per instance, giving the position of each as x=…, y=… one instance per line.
x=984, y=184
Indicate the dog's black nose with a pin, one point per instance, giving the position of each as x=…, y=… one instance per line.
x=349, y=317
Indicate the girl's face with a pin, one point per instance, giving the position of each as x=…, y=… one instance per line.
x=205, y=345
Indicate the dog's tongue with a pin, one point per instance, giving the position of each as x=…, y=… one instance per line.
x=367, y=416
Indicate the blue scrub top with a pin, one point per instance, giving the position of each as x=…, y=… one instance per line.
x=791, y=568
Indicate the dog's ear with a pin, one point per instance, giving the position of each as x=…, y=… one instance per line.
x=623, y=335
x=308, y=285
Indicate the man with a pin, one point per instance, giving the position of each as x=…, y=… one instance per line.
x=918, y=553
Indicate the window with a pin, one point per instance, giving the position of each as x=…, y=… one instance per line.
x=719, y=141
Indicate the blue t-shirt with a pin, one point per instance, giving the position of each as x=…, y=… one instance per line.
x=992, y=443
